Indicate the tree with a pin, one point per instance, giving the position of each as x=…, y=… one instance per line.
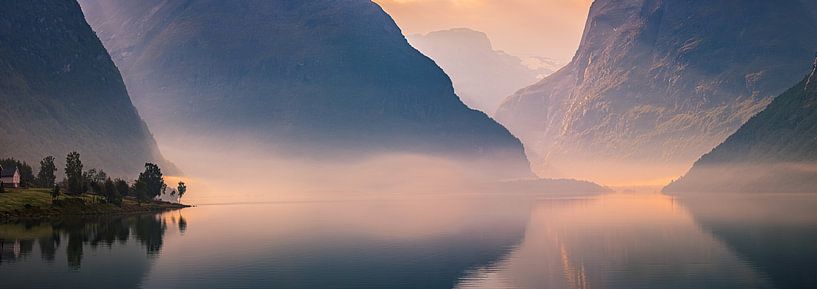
x=181, y=189
x=99, y=177
x=95, y=188
x=94, y=180
x=139, y=189
x=46, y=177
x=110, y=192
x=2, y=188
x=73, y=174
x=26, y=175
x=152, y=179
x=122, y=187
x=55, y=193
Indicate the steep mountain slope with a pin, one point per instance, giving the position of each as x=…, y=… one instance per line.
x=482, y=77
x=60, y=92
x=657, y=83
x=303, y=76
x=775, y=151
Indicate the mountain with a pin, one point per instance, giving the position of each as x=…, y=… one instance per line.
x=60, y=92
x=303, y=77
x=482, y=77
x=657, y=83
x=775, y=151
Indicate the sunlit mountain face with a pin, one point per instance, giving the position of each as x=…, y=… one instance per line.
x=774, y=152
x=656, y=84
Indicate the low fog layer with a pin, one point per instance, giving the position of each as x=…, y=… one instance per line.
x=221, y=171
x=749, y=177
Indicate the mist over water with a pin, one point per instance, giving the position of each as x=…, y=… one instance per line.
x=246, y=171
x=748, y=177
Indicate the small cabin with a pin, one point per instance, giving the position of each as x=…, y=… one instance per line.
x=10, y=177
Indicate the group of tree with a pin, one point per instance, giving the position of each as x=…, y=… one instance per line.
x=148, y=186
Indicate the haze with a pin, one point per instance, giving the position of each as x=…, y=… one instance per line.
x=550, y=28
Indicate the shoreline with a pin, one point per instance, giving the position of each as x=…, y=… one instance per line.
x=36, y=205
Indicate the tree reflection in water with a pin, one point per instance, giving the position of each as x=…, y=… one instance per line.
x=17, y=240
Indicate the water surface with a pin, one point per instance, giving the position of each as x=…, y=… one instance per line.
x=609, y=241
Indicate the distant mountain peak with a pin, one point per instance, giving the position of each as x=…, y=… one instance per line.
x=482, y=76
x=461, y=37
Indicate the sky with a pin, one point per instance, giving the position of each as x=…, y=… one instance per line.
x=547, y=28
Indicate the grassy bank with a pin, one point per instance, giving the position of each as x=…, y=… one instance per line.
x=16, y=204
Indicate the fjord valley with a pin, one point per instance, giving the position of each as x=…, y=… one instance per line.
x=329, y=145
x=656, y=84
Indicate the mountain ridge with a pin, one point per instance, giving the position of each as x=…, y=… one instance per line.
x=773, y=152
x=345, y=78
x=61, y=92
x=660, y=83
x=483, y=77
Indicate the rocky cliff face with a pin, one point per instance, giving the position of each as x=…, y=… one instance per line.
x=775, y=151
x=60, y=92
x=482, y=77
x=659, y=83
x=303, y=76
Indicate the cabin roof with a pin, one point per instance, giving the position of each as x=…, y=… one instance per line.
x=7, y=172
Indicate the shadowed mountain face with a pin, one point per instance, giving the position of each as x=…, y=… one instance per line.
x=60, y=92
x=302, y=75
x=659, y=82
x=775, y=151
x=483, y=77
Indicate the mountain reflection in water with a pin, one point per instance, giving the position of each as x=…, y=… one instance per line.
x=610, y=241
x=656, y=241
x=777, y=233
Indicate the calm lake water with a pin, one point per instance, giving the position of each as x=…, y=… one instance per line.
x=611, y=241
